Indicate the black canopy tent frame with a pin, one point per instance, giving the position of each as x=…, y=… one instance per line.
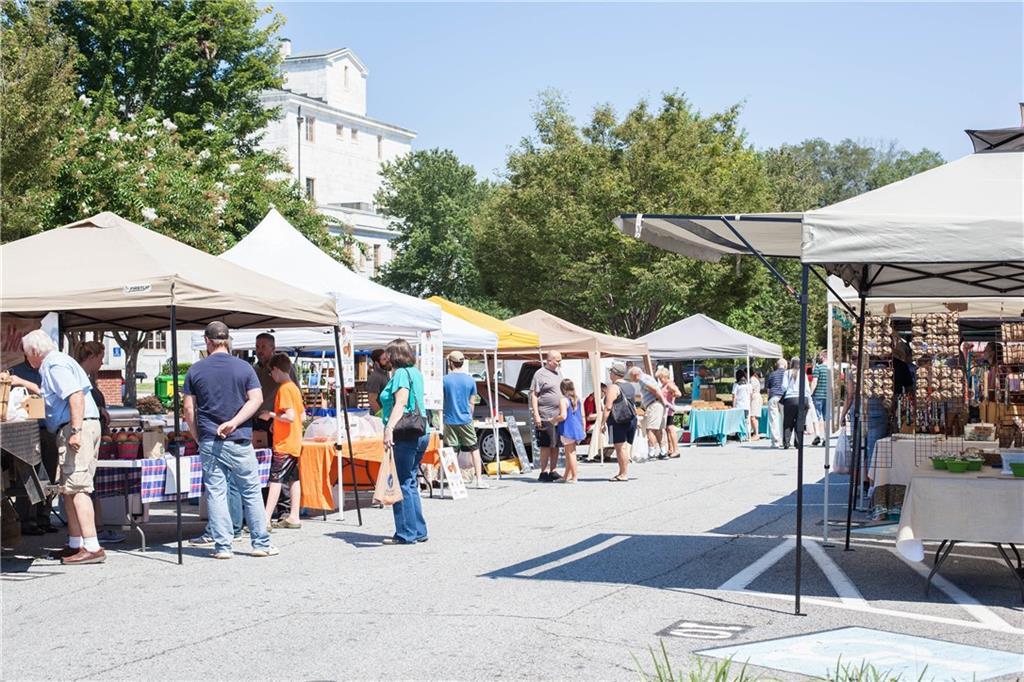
x=348, y=431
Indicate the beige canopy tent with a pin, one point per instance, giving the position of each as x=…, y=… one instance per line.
x=107, y=272
x=574, y=341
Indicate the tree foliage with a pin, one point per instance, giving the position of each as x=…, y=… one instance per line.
x=431, y=199
x=203, y=64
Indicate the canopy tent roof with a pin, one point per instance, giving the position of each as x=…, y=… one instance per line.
x=510, y=337
x=953, y=231
x=699, y=337
x=970, y=308
x=575, y=341
x=455, y=334
x=277, y=249
x=108, y=272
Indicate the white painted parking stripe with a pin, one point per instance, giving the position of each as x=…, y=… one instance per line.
x=844, y=587
x=751, y=572
x=576, y=556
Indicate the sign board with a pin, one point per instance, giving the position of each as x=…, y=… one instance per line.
x=348, y=356
x=452, y=473
x=13, y=329
x=518, y=446
x=432, y=366
x=689, y=629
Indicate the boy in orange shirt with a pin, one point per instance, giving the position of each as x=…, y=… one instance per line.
x=287, y=415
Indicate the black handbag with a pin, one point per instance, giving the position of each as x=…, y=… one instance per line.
x=413, y=425
x=623, y=410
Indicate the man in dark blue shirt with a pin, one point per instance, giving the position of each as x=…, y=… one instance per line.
x=773, y=384
x=222, y=394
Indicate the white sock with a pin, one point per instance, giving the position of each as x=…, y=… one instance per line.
x=75, y=542
x=91, y=544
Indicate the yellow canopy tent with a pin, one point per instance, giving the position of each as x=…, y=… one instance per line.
x=510, y=337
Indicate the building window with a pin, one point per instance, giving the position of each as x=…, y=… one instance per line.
x=311, y=188
x=376, y=258
x=346, y=76
x=310, y=129
x=380, y=147
x=157, y=341
x=355, y=136
x=339, y=130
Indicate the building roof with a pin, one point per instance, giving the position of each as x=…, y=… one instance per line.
x=337, y=52
x=341, y=112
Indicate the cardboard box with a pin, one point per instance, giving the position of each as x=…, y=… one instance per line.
x=35, y=407
x=260, y=440
x=153, y=443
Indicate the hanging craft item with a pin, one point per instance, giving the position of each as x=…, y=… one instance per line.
x=878, y=337
x=936, y=334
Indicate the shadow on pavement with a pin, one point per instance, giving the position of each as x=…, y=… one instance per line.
x=359, y=540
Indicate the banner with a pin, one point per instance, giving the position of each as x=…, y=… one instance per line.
x=348, y=357
x=10, y=336
x=432, y=366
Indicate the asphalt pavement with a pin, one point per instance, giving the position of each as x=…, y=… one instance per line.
x=526, y=580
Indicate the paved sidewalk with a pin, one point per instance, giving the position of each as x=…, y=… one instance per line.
x=526, y=580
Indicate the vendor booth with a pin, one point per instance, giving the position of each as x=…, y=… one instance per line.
x=954, y=231
x=154, y=283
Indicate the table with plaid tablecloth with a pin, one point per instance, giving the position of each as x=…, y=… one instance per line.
x=147, y=477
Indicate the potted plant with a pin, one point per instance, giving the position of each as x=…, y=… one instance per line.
x=939, y=462
x=956, y=465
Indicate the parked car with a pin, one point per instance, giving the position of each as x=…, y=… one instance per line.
x=510, y=403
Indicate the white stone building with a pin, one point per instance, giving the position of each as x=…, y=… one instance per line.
x=333, y=148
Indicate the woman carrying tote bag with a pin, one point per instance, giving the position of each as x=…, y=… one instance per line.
x=405, y=434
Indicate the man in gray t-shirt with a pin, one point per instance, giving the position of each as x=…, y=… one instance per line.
x=546, y=404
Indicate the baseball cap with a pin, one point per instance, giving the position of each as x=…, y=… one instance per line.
x=619, y=368
x=456, y=357
x=217, y=331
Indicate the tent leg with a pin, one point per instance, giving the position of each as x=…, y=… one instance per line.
x=857, y=423
x=800, y=428
x=348, y=431
x=177, y=425
x=493, y=410
x=827, y=419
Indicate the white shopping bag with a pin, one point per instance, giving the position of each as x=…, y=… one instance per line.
x=639, y=452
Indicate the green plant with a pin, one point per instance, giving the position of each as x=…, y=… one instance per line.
x=165, y=368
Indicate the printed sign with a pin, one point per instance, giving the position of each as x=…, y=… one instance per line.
x=139, y=288
x=452, y=473
x=348, y=356
x=431, y=362
x=689, y=629
x=518, y=446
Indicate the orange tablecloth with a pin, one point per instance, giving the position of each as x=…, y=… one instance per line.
x=318, y=467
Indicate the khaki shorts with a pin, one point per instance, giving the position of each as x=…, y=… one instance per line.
x=78, y=469
x=460, y=437
x=654, y=417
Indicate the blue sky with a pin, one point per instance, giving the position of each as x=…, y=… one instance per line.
x=466, y=76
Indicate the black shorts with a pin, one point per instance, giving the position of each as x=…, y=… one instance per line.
x=284, y=469
x=622, y=433
x=547, y=436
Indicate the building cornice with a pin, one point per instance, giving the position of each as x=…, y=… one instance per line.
x=277, y=96
x=332, y=55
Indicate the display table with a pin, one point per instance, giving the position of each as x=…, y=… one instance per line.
x=762, y=421
x=718, y=424
x=968, y=507
x=897, y=460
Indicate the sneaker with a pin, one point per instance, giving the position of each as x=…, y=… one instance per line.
x=816, y=441
x=223, y=554
x=201, y=541
x=264, y=552
x=482, y=484
x=84, y=556
x=544, y=476
x=554, y=476
x=110, y=537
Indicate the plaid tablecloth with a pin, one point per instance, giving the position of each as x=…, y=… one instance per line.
x=148, y=478
x=21, y=439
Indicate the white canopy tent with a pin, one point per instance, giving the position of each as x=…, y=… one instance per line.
x=969, y=308
x=700, y=337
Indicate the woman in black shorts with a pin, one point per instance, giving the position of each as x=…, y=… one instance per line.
x=620, y=414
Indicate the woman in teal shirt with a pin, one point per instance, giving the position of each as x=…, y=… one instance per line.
x=404, y=394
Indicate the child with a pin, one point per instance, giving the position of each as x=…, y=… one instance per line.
x=287, y=415
x=741, y=396
x=570, y=428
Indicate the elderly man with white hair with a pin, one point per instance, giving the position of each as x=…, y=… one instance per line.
x=71, y=414
x=773, y=384
x=654, y=405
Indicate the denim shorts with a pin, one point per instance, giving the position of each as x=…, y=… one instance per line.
x=622, y=433
x=820, y=407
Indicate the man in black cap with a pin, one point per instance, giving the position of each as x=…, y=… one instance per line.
x=222, y=393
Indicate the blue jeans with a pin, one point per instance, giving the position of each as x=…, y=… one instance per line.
x=876, y=428
x=235, y=509
x=227, y=463
x=409, y=523
x=820, y=405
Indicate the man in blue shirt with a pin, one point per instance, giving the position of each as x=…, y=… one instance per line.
x=773, y=384
x=459, y=398
x=222, y=394
x=72, y=415
x=698, y=379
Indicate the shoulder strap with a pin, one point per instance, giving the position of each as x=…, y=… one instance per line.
x=412, y=393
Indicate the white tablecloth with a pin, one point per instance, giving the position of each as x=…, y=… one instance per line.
x=968, y=507
x=896, y=462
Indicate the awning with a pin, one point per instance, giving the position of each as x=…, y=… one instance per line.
x=700, y=337
x=968, y=308
x=575, y=341
x=510, y=337
x=708, y=238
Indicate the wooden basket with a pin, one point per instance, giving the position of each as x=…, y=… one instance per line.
x=5, y=394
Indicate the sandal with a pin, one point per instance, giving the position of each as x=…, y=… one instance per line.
x=618, y=479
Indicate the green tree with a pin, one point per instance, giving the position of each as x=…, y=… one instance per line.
x=36, y=95
x=546, y=239
x=431, y=199
x=202, y=64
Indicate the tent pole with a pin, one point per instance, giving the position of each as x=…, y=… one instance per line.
x=493, y=410
x=827, y=418
x=340, y=387
x=177, y=425
x=857, y=421
x=800, y=428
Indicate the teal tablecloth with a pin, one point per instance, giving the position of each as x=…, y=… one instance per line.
x=718, y=424
x=762, y=421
